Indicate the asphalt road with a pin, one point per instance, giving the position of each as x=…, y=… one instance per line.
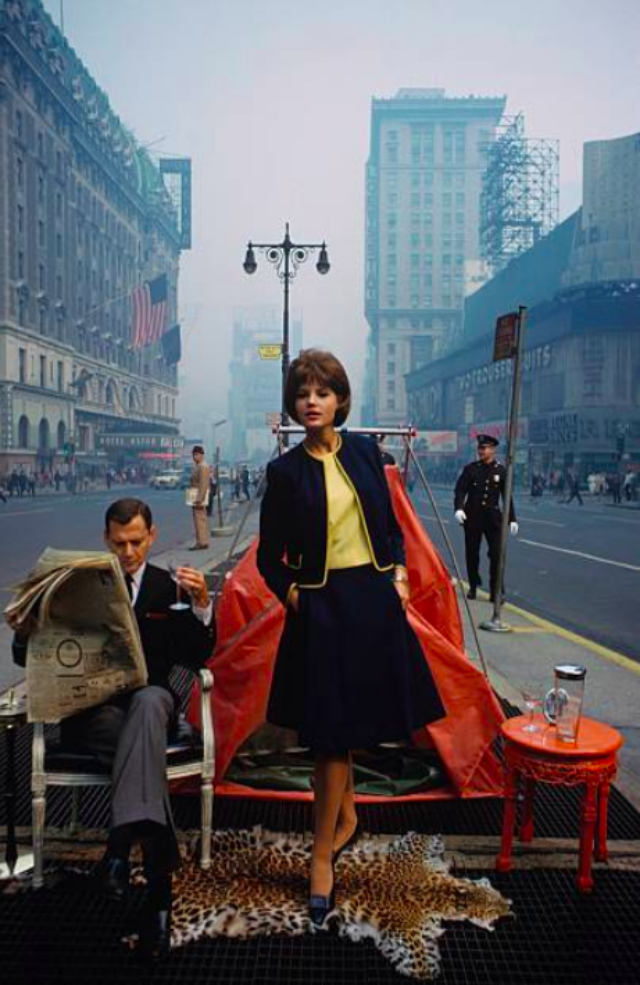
x=578, y=566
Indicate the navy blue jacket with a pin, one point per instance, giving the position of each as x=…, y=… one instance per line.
x=293, y=518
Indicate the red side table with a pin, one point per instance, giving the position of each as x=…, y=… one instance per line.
x=541, y=756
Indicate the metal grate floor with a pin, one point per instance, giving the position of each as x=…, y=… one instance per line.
x=66, y=934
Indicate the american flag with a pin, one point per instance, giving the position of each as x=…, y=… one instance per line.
x=150, y=302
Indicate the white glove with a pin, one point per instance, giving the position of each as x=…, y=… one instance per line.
x=513, y=527
x=460, y=516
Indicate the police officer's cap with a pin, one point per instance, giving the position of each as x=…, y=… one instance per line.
x=487, y=439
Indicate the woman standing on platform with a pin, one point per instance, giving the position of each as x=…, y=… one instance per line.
x=350, y=672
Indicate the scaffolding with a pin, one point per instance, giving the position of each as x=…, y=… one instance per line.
x=520, y=197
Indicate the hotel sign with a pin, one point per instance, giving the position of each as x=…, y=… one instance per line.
x=533, y=360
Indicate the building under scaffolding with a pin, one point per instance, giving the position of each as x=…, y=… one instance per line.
x=520, y=199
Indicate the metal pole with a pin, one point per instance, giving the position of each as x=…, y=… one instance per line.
x=454, y=560
x=284, y=417
x=218, y=489
x=495, y=624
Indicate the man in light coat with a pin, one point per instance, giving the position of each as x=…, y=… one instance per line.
x=198, y=498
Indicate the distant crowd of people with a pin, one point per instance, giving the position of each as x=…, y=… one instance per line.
x=565, y=485
x=21, y=482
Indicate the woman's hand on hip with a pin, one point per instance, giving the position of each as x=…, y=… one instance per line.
x=403, y=590
x=294, y=600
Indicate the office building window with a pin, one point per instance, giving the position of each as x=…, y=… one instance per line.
x=41, y=277
x=42, y=321
x=59, y=246
x=43, y=371
x=391, y=346
x=20, y=265
x=415, y=179
x=391, y=369
x=22, y=365
x=446, y=200
x=415, y=240
x=415, y=260
x=415, y=200
x=19, y=124
x=40, y=233
x=20, y=172
x=391, y=403
x=20, y=219
x=459, y=200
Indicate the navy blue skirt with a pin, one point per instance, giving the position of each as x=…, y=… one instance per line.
x=350, y=672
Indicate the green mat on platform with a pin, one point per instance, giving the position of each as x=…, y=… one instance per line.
x=382, y=772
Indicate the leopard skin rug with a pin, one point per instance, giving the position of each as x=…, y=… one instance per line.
x=396, y=892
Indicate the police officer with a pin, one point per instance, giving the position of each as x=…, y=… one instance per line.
x=477, y=503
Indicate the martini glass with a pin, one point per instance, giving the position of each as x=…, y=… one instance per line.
x=178, y=605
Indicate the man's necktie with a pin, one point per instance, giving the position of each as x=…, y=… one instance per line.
x=129, y=581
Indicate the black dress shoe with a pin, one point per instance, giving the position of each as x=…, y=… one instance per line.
x=471, y=594
x=113, y=877
x=155, y=935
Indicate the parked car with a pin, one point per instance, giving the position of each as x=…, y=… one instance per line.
x=169, y=479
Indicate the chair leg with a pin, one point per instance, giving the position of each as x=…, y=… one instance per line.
x=38, y=803
x=38, y=812
x=206, y=807
x=76, y=800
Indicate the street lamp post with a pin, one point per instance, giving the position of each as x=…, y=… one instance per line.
x=286, y=258
x=221, y=530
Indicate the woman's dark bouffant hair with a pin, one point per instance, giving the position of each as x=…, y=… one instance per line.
x=322, y=368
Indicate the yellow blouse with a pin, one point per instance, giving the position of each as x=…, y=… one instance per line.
x=347, y=546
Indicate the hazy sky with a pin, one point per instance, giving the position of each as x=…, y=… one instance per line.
x=271, y=99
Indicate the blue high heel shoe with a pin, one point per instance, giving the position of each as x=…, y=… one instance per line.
x=321, y=906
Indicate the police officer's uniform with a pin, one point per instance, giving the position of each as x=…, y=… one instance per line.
x=479, y=492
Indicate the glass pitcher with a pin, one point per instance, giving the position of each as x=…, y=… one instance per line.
x=563, y=703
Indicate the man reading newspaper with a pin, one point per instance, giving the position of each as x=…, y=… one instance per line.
x=129, y=730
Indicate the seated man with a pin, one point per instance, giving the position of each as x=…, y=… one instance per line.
x=130, y=730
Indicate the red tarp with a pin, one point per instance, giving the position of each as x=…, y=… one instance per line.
x=250, y=621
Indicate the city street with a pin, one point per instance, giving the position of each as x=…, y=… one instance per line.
x=578, y=566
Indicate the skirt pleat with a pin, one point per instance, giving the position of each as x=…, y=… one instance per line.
x=350, y=672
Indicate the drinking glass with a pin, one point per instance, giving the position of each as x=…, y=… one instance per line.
x=178, y=605
x=531, y=702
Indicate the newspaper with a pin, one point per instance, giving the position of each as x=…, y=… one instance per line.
x=84, y=646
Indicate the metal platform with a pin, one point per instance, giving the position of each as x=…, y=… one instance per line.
x=67, y=934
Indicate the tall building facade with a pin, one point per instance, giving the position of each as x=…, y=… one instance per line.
x=607, y=241
x=424, y=177
x=255, y=393
x=85, y=217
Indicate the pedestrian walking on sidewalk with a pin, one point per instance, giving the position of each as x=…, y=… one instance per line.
x=198, y=498
x=350, y=672
x=572, y=486
x=477, y=503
